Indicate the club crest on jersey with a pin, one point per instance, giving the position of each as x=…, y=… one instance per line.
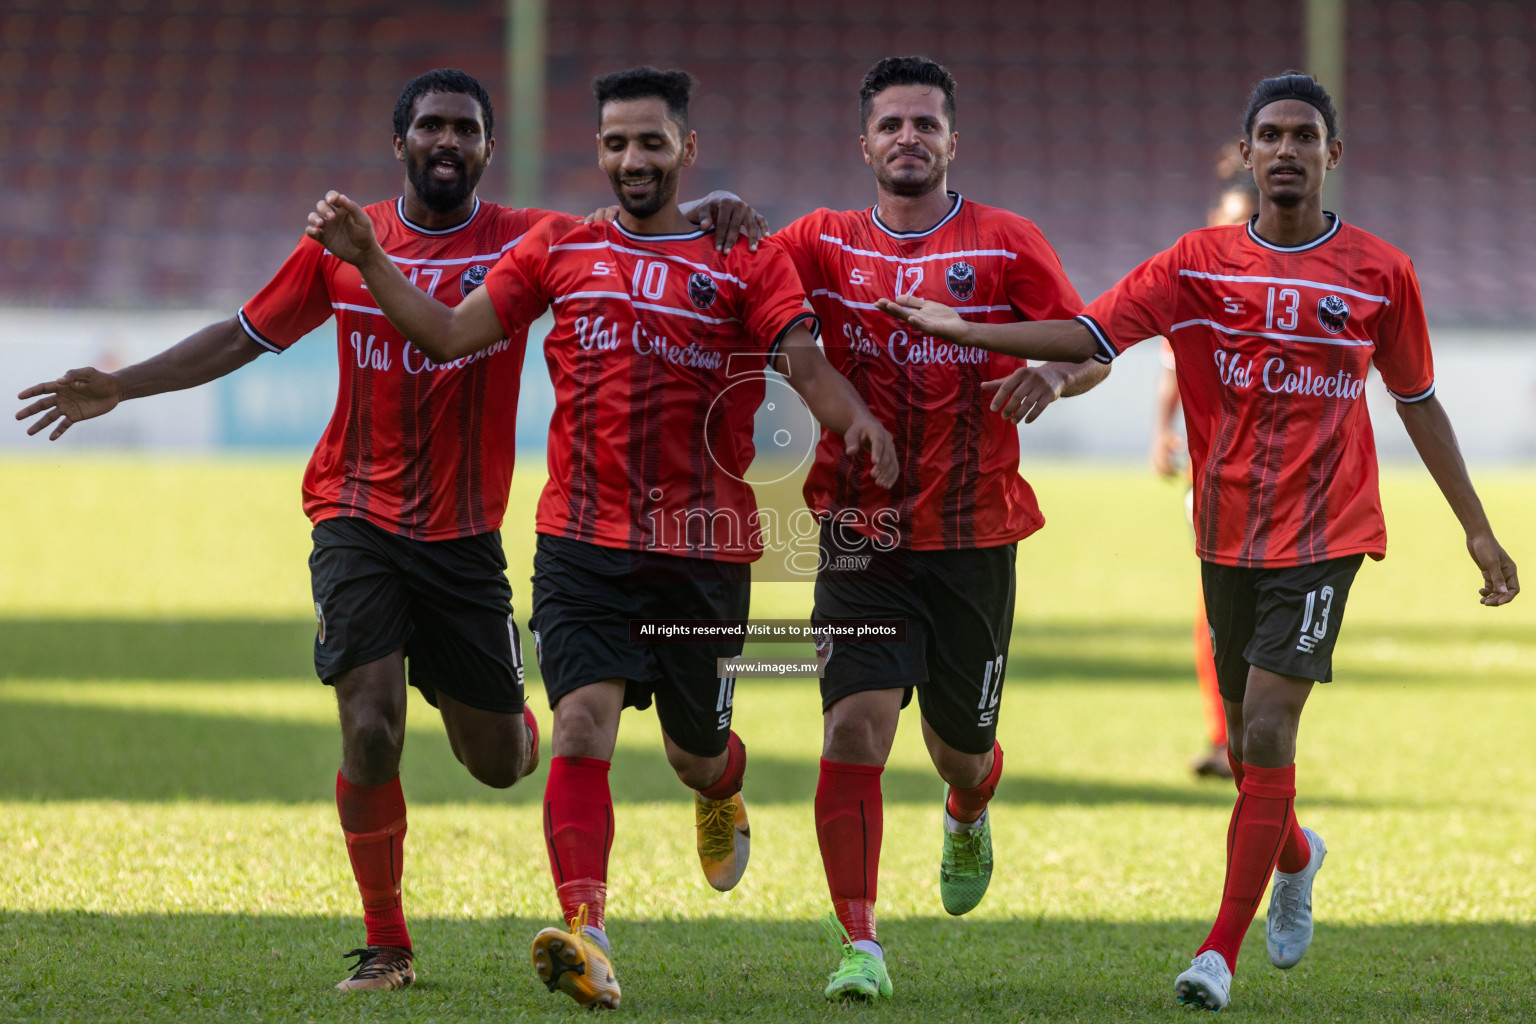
x=702, y=289
x=1332, y=313
x=824, y=650
x=472, y=278
x=960, y=279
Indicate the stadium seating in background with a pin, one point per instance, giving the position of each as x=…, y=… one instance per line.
x=164, y=154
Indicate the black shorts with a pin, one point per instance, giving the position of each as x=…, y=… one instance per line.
x=447, y=602
x=1284, y=620
x=958, y=606
x=583, y=598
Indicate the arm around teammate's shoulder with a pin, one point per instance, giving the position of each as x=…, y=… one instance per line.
x=444, y=334
x=86, y=393
x=1430, y=430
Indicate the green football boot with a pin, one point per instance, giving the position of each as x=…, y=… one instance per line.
x=859, y=975
x=965, y=870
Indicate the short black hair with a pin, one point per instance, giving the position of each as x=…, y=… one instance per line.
x=672, y=87
x=906, y=71
x=1292, y=85
x=442, y=80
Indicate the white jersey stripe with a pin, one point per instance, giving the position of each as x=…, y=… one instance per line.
x=488, y=257
x=400, y=212
x=625, y=296
x=1254, y=236
x=254, y=334
x=855, y=304
x=1004, y=253
x=874, y=214
x=652, y=254
x=1410, y=399
x=1286, y=280
x=1272, y=335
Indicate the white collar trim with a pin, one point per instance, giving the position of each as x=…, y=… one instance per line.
x=400, y=212
x=1333, y=229
x=874, y=213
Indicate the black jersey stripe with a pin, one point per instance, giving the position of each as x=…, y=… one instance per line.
x=255, y=335
x=1322, y=239
x=812, y=322
x=1410, y=399
x=1107, y=351
x=954, y=211
x=435, y=232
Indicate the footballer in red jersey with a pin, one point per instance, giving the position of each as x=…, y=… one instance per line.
x=406, y=488
x=1275, y=324
x=656, y=356
x=937, y=550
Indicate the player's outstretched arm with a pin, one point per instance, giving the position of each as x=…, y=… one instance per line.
x=444, y=334
x=1431, y=432
x=835, y=403
x=1024, y=393
x=86, y=393
x=1064, y=340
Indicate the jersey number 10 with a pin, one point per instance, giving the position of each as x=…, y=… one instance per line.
x=650, y=279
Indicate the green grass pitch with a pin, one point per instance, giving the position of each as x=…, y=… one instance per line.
x=169, y=847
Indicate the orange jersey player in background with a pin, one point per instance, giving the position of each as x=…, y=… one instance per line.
x=1238, y=202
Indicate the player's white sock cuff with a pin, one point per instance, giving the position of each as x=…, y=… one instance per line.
x=869, y=946
x=954, y=824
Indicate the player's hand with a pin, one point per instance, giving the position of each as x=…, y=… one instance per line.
x=602, y=215
x=1500, y=581
x=78, y=395
x=1024, y=393
x=731, y=217
x=342, y=227
x=867, y=434
x=1166, y=453
x=928, y=316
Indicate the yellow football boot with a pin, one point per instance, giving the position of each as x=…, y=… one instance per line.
x=725, y=839
x=574, y=963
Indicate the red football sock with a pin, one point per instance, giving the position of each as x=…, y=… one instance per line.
x=373, y=820
x=533, y=733
x=849, y=824
x=967, y=804
x=729, y=783
x=1262, y=817
x=578, y=830
x=1297, y=852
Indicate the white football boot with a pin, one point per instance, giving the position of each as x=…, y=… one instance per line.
x=1288, y=925
x=1207, y=983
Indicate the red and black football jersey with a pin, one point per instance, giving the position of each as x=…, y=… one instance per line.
x=657, y=356
x=421, y=450
x=1272, y=347
x=960, y=485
